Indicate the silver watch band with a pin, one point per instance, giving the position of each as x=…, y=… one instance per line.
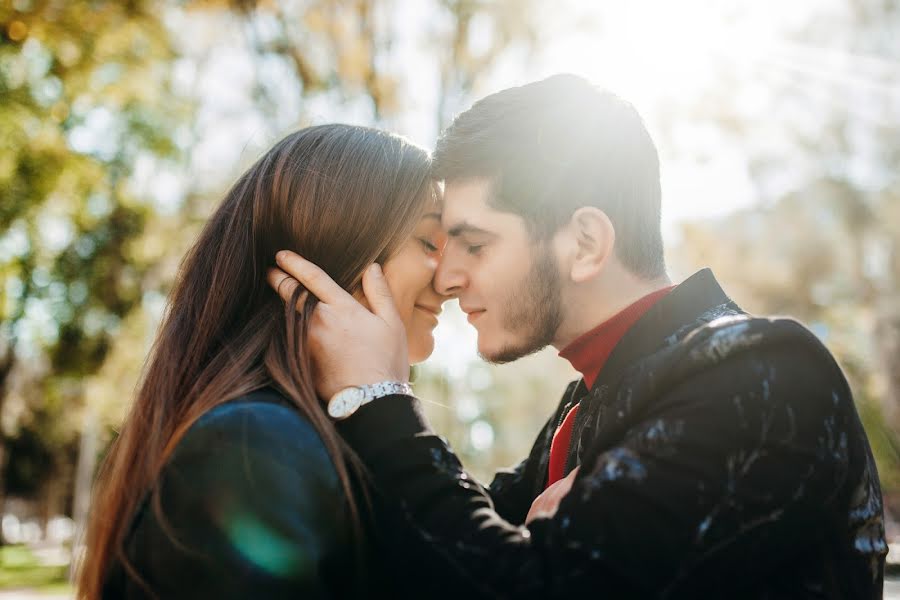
x=384, y=388
x=347, y=401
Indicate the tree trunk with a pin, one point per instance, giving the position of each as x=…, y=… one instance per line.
x=84, y=473
x=6, y=364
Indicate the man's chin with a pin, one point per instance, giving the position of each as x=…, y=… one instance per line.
x=506, y=353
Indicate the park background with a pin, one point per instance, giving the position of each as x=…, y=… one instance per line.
x=122, y=123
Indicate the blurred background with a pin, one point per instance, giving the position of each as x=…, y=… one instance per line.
x=123, y=122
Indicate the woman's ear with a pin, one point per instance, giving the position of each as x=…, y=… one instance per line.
x=594, y=238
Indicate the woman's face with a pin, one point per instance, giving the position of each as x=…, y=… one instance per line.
x=409, y=274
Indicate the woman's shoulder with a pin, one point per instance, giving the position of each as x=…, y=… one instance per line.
x=251, y=505
x=265, y=408
x=263, y=422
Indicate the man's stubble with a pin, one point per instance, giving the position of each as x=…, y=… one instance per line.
x=533, y=309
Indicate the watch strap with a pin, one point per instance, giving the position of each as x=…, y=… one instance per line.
x=349, y=400
x=384, y=388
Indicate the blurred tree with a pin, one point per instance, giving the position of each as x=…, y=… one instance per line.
x=478, y=36
x=348, y=50
x=84, y=89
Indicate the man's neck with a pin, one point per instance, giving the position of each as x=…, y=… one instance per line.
x=588, y=306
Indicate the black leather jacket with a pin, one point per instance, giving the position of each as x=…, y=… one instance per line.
x=721, y=457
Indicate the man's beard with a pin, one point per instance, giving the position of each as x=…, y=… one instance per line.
x=534, y=308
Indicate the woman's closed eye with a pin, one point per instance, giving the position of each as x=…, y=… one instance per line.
x=428, y=245
x=474, y=249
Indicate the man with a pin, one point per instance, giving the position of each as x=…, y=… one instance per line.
x=705, y=453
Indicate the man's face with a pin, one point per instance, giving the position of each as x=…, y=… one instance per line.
x=508, y=284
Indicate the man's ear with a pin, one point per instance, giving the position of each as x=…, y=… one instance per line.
x=594, y=237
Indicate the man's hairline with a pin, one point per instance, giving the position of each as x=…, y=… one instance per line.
x=535, y=234
x=490, y=201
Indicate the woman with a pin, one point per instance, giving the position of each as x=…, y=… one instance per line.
x=227, y=478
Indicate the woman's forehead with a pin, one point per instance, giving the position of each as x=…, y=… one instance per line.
x=433, y=207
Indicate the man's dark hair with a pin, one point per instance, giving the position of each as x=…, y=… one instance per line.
x=553, y=146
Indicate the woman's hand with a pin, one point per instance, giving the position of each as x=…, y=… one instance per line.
x=545, y=505
x=349, y=344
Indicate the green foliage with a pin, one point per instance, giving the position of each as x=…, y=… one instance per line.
x=86, y=94
x=19, y=568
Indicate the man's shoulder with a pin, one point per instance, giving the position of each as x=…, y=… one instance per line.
x=732, y=349
x=733, y=335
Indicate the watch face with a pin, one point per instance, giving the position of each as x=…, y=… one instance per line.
x=345, y=402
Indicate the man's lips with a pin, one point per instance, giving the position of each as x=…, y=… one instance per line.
x=473, y=314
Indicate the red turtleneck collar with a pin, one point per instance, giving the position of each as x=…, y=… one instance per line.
x=588, y=354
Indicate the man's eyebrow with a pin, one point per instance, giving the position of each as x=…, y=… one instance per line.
x=467, y=228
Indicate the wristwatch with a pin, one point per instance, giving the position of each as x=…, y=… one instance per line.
x=348, y=400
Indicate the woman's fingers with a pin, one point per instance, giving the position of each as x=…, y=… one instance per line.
x=350, y=345
x=312, y=277
x=282, y=283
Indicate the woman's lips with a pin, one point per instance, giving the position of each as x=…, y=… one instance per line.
x=432, y=313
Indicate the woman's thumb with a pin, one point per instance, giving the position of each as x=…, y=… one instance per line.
x=378, y=294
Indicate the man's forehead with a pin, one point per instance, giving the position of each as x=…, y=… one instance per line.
x=466, y=202
x=467, y=211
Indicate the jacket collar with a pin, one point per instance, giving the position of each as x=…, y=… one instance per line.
x=697, y=298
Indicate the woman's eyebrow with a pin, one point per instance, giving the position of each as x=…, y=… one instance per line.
x=432, y=215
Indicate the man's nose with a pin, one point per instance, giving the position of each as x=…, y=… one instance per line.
x=449, y=278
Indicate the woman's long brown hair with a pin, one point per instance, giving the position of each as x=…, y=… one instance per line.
x=340, y=195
